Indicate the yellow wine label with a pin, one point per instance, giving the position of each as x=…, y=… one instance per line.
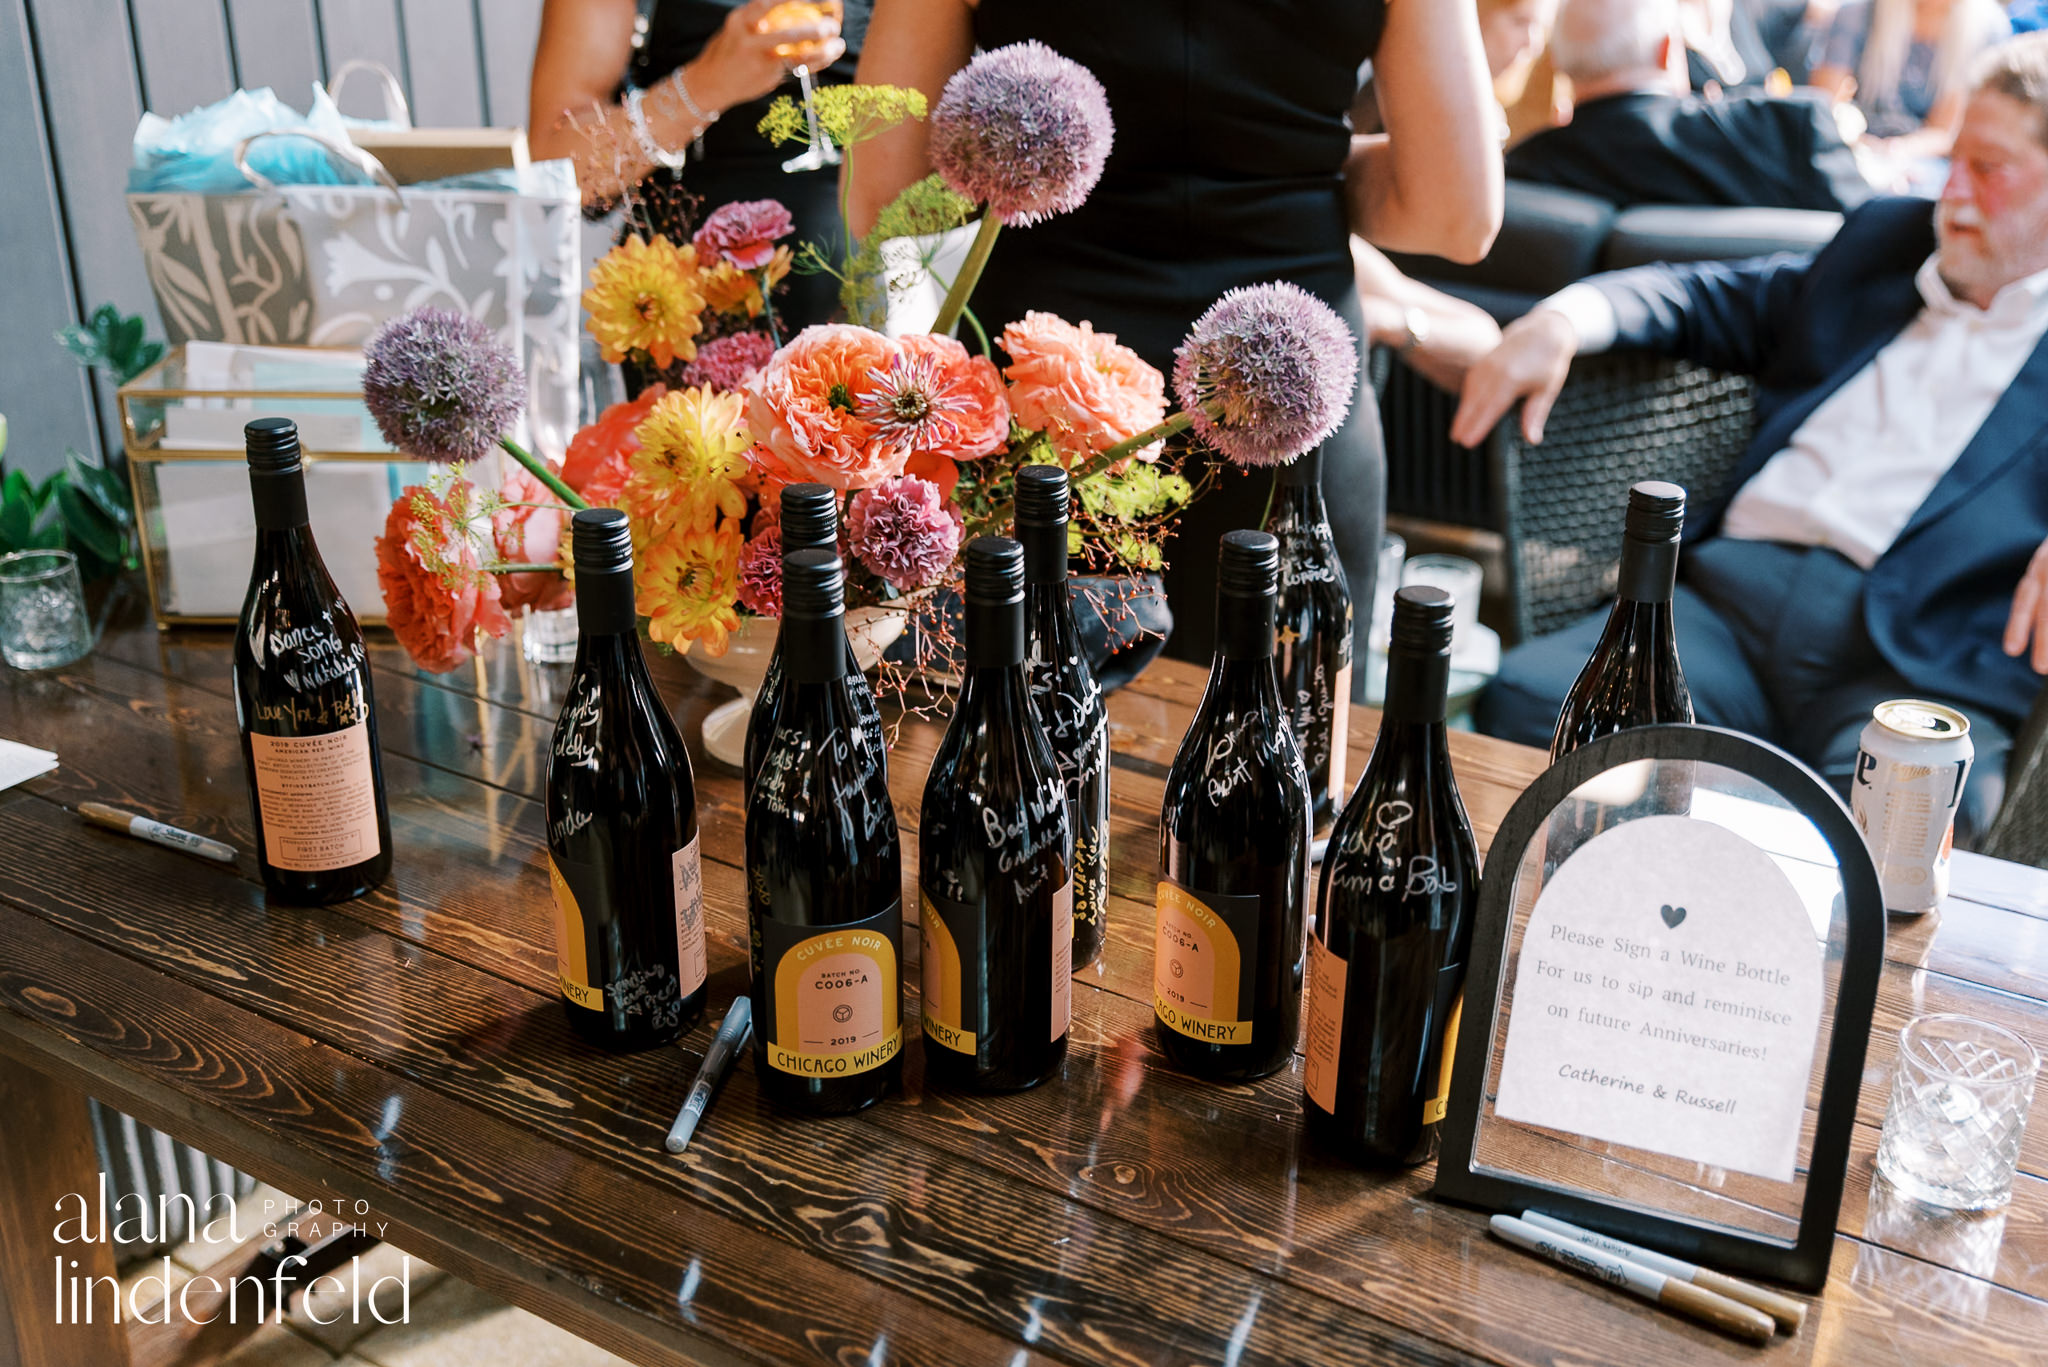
x=945, y=994
x=1198, y=982
x=1433, y=1109
x=572, y=963
x=1062, y=959
x=1323, y=1045
x=837, y=999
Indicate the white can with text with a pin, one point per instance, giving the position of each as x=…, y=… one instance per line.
x=1910, y=770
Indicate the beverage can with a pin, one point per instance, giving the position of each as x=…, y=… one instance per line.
x=1912, y=762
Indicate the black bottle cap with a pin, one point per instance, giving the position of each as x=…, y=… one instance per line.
x=1248, y=565
x=1043, y=499
x=1422, y=620
x=602, y=540
x=995, y=571
x=813, y=585
x=273, y=445
x=810, y=517
x=1656, y=511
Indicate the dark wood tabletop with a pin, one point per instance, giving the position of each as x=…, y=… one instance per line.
x=406, y=1050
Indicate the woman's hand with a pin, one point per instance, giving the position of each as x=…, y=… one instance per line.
x=741, y=63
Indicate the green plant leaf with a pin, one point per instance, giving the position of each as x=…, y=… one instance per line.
x=107, y=491
x=88, y=527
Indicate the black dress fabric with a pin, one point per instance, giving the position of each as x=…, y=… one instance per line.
x=1227, y=170
x=737, y=162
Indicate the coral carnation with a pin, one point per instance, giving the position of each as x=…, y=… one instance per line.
x=436, y=594
x=1082, y=388
x=1024, y=131
x=1280, y=366
x=691, y=460
x=527, y=530
x=744, y=232
x=729, y=363
x=441, y=385
x=685, y=584
x=805, y=409
x=601, y=455
x=644, y=297
x=761, y=573
x=903, y=530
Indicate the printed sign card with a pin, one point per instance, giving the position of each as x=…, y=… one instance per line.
x=1668, y=997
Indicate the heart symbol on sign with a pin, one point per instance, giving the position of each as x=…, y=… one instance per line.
x=1673, y=915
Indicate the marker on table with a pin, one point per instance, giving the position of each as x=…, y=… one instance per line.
x=128, y=823
x=1789, y=1313
x=1730, y=1317
x=718, y=1061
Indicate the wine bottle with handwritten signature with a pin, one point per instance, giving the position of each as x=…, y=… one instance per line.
x=1315, y=630
x=622, y=821
x=1067, y=698
x=302, y=699
x=810, y=520
x=824, y=874
x=995, y=859
x=1633, y=677
x=1394, y=923
x=1233, y=847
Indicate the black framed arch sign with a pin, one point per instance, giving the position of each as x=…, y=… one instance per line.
x=1673, y=972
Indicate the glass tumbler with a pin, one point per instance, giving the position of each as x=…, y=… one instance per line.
x=42, y=610
x=1457, y=576
x=1959, y=1106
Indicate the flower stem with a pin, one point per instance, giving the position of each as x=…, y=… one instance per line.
x=538, y=468
x=970, y=273
x=768, y=310
x=1124, y=450
x=979, y=332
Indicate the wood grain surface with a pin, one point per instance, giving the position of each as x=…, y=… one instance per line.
x=406, y=1050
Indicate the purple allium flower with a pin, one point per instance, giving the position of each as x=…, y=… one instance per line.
x=744, y=232
x=441, y=385
x=761, y=573
x=1279, y=362
x=1024, y=131
x=728, y=363
x=903, y=530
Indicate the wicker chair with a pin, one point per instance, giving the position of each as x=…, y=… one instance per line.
x=1622, y=418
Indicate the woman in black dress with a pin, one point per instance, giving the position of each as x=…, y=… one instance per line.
x=697, y=59
x=1234, y=164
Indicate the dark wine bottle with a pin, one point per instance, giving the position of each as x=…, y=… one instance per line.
x=824, y=874
x=622, y=821
x=1394, y=924
x=302, y=699
x=1633, y=677
x=995, y=872
x=1233, y=847
x=1066, y=696
x=810, y=521
x=1315, y=630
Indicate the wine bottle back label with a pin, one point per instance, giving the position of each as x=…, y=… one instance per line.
x=1340, y=731
x=1449, y=984
x=691, y=965
x=318, y=796
x=1325, y=1036
x=1062, y=959
x=1204, y=946
x=951, y=940
x=836, y=1006
x=572, y=945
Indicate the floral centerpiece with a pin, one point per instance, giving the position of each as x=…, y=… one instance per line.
x=920, y=436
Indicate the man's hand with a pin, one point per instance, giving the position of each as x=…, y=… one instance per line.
x=2029, y=619
x=1530, y=364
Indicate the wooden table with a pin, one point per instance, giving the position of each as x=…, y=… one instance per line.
x=406, y=1050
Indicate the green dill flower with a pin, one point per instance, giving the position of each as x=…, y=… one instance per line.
x=847, y=114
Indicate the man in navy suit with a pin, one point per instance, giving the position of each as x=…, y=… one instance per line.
x=1888, y=534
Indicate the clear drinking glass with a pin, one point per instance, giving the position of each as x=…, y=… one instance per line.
x=1457, y=576
x=1393, y=555
x=1959, y=1107
x=789, y=14
x=42, y=610
x=549, y=638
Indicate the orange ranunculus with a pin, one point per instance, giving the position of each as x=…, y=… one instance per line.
x=938, y=469
x=528, y=531
x=437, y=596
x=686, y=584
x=969, y=391
x=1080, y=387
x=804, y=407
x=601, y=455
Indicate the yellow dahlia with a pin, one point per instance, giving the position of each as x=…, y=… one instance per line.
x=685, y=585
x=646, y=296
x=728, y=289
x=692, y=457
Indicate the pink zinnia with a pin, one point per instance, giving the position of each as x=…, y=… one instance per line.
x=744, y=232
x=932, y=398
x=730, y=363
x=903, y=530
x=761, y=573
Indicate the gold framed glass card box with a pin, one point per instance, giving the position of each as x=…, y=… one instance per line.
x=181, y=424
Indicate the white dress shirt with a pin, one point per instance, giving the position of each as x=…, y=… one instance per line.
x=1860, y=465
